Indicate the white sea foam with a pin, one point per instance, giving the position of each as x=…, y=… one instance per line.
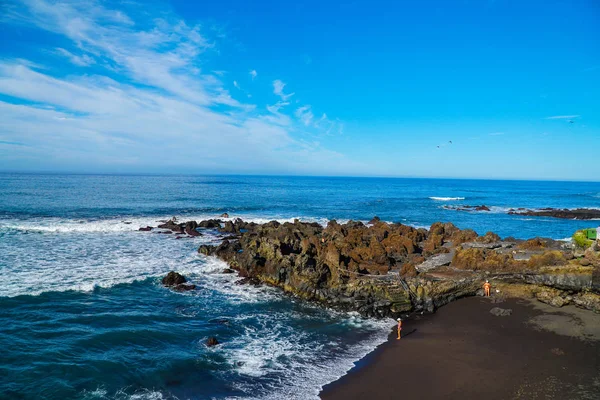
x=69, y=255
x=446, y=198
x=36, y=264
x=305, y=374
x=62, y=225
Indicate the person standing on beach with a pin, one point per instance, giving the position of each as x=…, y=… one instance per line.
x=399, y=328
x=486, y=288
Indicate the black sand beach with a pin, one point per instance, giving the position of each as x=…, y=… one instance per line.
x=465, y=352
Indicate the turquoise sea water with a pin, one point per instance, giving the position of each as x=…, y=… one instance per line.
x=83, y=314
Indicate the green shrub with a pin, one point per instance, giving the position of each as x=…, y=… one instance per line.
x=581, y=240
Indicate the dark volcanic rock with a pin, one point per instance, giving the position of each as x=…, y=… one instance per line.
x=173, y=279
x=579, y=213
x=374, y=220
x=382, y=269
x=224, y=215
x=324, y=264
x=177, y=282
x=190, y=229
x=172, y=226
x=206, y=249
x=184, y=287
x=212, y=341
x=146, y=229
x=210, y=223
x=468, y=208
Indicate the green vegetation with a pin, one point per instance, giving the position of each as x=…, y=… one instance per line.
x=581, y=240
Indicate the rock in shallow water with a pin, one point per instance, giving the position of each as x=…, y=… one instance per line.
x=212, y=341
x=173, y=279
x=177, y=282
x=501, y=312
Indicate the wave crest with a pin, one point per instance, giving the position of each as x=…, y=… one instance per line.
x=446, y=198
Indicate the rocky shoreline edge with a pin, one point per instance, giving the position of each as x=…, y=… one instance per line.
x=384, y=269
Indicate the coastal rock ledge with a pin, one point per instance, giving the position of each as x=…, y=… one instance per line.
x=381, y=269
x=388, y=269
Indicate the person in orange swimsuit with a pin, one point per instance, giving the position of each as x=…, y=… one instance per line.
x=486, y=288
x=399, y=328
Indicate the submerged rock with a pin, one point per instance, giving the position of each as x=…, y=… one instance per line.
x=184, y=287
x=146, y=229
x=212, y=341
x=224, y=215
x=501, y=312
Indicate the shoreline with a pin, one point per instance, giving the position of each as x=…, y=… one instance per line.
x=538, y=352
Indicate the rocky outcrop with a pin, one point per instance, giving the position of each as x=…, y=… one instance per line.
x=389, y=269
x=177, y=282
x=579, y=213
x=172, y=226
x=482, y=207
x=210, y=223
x=565, y=213
x=212, y=341
x=346, y=266
x=190, y=228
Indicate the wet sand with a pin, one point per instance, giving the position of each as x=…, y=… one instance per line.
x=464, y=352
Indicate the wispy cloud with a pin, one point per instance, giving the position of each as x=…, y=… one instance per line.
x=278, y=87
x=253, y=74
x=305, y=115
x=83, y=60
x=563, y=117
x=140, y=97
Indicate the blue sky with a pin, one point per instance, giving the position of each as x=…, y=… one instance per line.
x=346, y=88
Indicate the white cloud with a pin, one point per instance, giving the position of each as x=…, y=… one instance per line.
x=278, y=87
x=253, y=74
x=153, y=108
x=236, y=84
x=83, y=60
x=305, y=115
x=563, y=117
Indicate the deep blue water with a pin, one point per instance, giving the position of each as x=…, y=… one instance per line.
x=83, y=315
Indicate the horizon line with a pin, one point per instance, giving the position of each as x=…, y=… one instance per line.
x=166, y=174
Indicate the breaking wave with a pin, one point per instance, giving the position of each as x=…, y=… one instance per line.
x=446, y=198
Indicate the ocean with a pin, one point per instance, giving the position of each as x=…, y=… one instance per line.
x=83, y=314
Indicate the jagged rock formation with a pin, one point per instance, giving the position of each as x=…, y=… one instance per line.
x=382, y=269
